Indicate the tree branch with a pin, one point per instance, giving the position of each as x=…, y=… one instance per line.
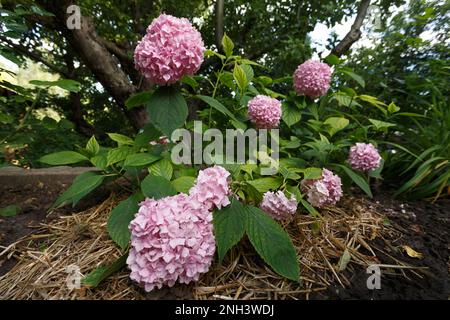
x=355, y=32
x=33, y=55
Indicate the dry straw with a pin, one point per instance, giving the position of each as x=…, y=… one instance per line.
x=330, y=250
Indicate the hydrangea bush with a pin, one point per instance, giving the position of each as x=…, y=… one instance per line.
x=177, y=216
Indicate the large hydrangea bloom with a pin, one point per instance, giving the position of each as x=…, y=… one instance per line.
x=364, y=157
x=212, y=188
x=171, y=49
x=312, y=78
x=264, y=112
x=324, y=191
x=171, y=240
x=277, y=205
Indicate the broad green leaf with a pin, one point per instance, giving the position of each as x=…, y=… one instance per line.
x=336, y=124
x=190, y=81
x=227, y=45
x=63, y=157
x=120, y=218
x=332, y=60
x=147, y=134
x=217, y=105
x=272, y=243
x=92, y=146
x=265, y=184
x=121, y=139
x=138, y=99
x=360, y=181
x=240, y=77
x=312, y=173
x=99, y=161
x=290, y=114
x=157, y=187
x=117, y=155
x=81, y=186
x=162, y=168
x=49, y=123
x=229, y=227
x=392, y=108
x=375, y=102
x=248, y=70
x=167, y=109
x=355, y=77
x=379, y=125
x=10, y=211
x=95, y=277
x=309, y=208
x=66, y=84
x=183, y=184
x=140, y=159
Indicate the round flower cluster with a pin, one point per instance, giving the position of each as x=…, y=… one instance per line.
x=278, y=206
x=364, y=157
x=324, y=191
x=171, y=240
x=212, y=187
x=312, y=78
x=171, y=49
x=264, y=112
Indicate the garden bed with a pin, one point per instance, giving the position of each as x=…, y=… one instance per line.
x=372, y=231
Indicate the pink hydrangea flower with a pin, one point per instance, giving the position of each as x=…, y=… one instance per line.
x=312, y=78
x=278, y=206
x=171, y=240
x=212, y=188
x=171, y=49
x=324, y=191
x=264, y=112
x=364, y=157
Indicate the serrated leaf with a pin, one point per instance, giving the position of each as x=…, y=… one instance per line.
x=92, y=146
x=272, y=243
x=117, y=155
x=157, y=187
x=99, y=161
x=120, y=218
x=162, y=168
x=290, y=114
x=138, y=99
x=265, y=184
x=63, y=157
x=140, y=159
x=121, y=139
x=355, y=77
x=336, y=124
x=183, y=184
x=95, y=277
x=227, y=45
x=240, y=77
x=167, y=109
x=360, y=181
x=229, y=227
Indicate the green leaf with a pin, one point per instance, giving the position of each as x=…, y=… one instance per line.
x=272, y=243
x=138, y=99
x=332, y=60
x=217, y=105
x=336, y=124
x=92, y=146
x=312, y=173
x=95, y=277
x=49, y=123
x=99, y=161
x=120, y=218
x=227, y=45
x=355, y=77
x=248, y=70
x=167, y=109
x=266, y=184
x=229, y=227
x=140, y=159
x=183, y=184
x=63, y=157
x=360, y=181
x=10, y=211
x=309, y=208
x=149, y=133
x=190, y=81
x=66, y=84
x=392, y=108
x=121, y=139
x=379, y=125
x=162, y=168
x=240, y=77
x=81, y=186
x=290, y=114
x=117, y=155
x=157, y=187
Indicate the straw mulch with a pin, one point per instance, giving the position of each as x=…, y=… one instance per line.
x=340, y=239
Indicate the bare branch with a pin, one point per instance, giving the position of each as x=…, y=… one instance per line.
x=355, y=32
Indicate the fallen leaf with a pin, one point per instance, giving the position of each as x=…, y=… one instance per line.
x=344, y=260
x=412, y=253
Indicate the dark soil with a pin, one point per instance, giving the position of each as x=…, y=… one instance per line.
x=425, y=228
x=34, y=200
x=422, y=226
